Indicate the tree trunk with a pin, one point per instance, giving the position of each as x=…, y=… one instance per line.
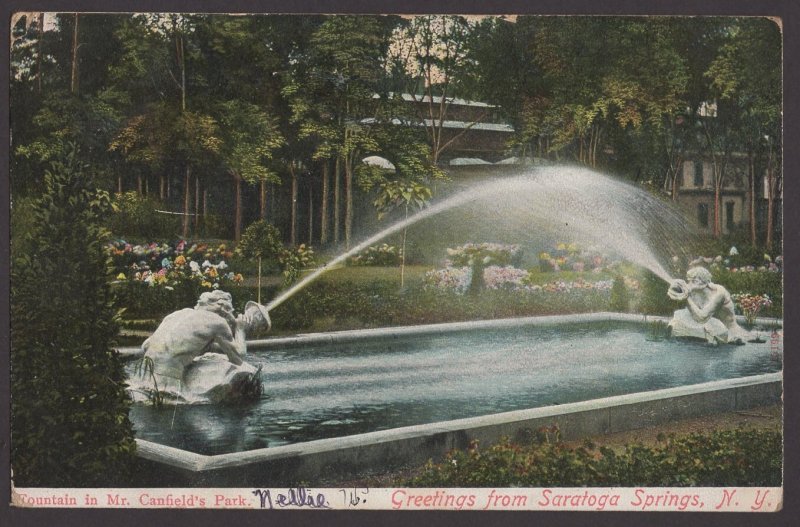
x=348, y=203
x=676, y=182
x=196, y=205
x=403, y=254
x=336, y=202
x=310, y=214
x=259, y=281
x=293, y=219
x=273, y=190
x=751, y=185
x=323, y=228
x=162, y=183
x=205, y=210
x=717, y=230
x=74, y=76
x=237, y=221
x=262, y=200
x=119, y=183
x=182, y=64
x=770, y=200
x=39, y=54
x=187, y=180
x=139, y=184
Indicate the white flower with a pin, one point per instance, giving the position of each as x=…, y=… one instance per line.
x=194, y=266
x=222, y=265
x=206, y=264
x=734, y=251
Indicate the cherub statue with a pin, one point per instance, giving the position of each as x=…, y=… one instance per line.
x=709, y=312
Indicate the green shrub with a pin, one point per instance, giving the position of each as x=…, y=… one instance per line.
x=136, y=216
x=726, y=458
x=350, y=304
x=295, y=260
x=23, y=223
x=216, y=226
x=69, y=421
x=384, y=255
x=260, y=240
x=653, y=299
x=142, y=301
x=620, y=299
x=758, y=283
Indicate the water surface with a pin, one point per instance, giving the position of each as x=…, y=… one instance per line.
x=330, y=391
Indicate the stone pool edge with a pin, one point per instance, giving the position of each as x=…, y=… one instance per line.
x=335, y=459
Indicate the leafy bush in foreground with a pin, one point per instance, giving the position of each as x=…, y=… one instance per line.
x=69, y=413
x=725, y=458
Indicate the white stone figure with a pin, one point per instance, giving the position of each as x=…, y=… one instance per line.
x=709, y=312
x=198, y=354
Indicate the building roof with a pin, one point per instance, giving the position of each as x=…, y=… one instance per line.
x=437, y=100
x=491, y=127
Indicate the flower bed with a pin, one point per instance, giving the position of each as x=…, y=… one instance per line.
x=492, y=261
x=485, y=254
x=378, y=255
x=572, y=257
x=154, y=279
x=751, y=305
x=165, y=265
x=741, y=275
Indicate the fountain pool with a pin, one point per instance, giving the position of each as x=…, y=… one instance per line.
x=333, y=385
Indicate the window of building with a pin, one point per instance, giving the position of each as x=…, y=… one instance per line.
x=702, y=214
x=698, y=174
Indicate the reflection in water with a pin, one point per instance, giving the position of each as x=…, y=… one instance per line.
x=331, y=391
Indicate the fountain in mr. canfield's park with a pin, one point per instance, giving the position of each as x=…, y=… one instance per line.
x=199, y=355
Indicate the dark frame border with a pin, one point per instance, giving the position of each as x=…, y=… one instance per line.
x=787, y=10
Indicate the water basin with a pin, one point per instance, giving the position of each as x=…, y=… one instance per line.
x=332, y=389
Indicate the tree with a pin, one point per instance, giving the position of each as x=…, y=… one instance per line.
x=747, y=73
x=165, y=135
x=70, y=408
x=250, y=138
x=157, y=47
x=432, y=52
x=574, y=81
x=346, y=54
x=46, y=114
x=240, y=58
x=404, y=195
x=260, y=240
x=591, y=92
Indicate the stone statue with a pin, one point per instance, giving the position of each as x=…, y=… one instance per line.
x=709, y=312
x=198, y=354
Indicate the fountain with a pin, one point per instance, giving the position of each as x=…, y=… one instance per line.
x=339, y=384
x=196, y=355
x=709, y=314
x=582, y=204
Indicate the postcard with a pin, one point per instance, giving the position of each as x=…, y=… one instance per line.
x=398, y=262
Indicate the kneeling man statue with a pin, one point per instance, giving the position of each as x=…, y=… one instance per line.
x=198, y=354
x=709, y=312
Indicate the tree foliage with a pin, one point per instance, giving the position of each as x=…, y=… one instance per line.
x=189, y=99
x=70, y=409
